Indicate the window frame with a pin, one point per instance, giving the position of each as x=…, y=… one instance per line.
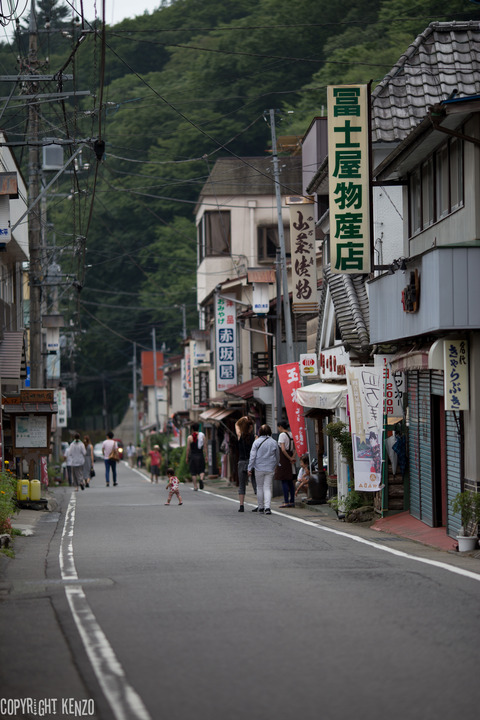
x=436, y=187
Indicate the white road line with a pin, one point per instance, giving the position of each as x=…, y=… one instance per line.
x=355, y=538
x=124, y=701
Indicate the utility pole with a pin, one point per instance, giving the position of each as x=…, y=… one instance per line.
x=281, y=241
x=34, y=225
x=135, y=400
x=157, y=421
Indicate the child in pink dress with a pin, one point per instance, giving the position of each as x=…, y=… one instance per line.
x=173, y=487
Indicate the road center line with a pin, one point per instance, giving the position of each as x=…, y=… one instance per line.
x=377, y=546
x=124, y=701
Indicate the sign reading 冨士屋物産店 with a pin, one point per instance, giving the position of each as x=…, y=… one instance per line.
x=349, y=178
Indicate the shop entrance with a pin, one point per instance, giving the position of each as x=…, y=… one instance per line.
x=439, y=462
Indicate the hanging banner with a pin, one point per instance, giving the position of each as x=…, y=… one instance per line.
x=225, y=342
x=188, y=369
x=290, y=382
x=62, y=416
x=304, y=263
x=365, y=398
x=349, y=178
x=455, y=374
x=394, y=388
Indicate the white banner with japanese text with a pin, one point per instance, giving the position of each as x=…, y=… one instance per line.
x=349, y=178
x=225, y=342
x=365, y=398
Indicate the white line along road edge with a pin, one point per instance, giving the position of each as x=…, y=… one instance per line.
x=355, y=538
x=124, y=701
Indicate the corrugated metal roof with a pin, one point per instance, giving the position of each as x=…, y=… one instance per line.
x=444, y=58
x=13, y=364
x=245, y=390
x=252, y=176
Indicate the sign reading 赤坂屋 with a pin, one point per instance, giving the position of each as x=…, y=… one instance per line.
x=349, y=178
x=225, y=342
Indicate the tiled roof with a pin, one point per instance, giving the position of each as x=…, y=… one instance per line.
x=350, y=300
x=444, y=59
x=253, y=176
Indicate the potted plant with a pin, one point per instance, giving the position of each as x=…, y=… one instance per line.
x=467, y=505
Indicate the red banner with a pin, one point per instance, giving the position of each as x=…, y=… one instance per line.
x=289, y=377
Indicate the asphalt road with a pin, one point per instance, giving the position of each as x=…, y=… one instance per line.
x=140, y=611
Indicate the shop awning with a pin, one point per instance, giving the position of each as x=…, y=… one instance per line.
x=414, y=359
x=223, y=414
x=208, y=414
x=245, y=390
x=214, y=414
x=324, y=396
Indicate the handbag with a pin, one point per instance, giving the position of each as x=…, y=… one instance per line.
x=114, y=455
x=92, y=472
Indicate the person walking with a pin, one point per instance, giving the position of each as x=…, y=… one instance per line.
x=284, y=471
x=88, y=464
x=244, y=429
x=131, y=454
x=109, y=446
x=264, y=458
x=155, y=462
x=196, y=455
x=173, y=487
x=76, y=452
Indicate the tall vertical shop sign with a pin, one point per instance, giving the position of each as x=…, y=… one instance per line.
x=349, y=178
x=225, y=342
x=304, y=263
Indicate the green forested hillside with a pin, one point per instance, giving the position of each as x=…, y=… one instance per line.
x=172, y=91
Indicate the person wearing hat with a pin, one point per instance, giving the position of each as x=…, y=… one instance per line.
x=155, y=462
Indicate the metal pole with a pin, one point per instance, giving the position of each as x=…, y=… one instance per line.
x=157, y=421
x=281, y=240
x=184, y=322
x=34, y=234
x=135, y=401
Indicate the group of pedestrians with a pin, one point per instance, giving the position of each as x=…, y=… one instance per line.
x=79, y=462
x=262, y=459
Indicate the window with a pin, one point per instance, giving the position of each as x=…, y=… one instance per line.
x=268, y=242
x=435, y=189
x=214, y=234
x=415, y=201
x=428, y=194
x=456, y=173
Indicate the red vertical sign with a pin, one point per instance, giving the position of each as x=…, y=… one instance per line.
x=289, y=377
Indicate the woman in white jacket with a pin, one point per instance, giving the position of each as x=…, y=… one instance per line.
x=264, y=458
x=76, y=454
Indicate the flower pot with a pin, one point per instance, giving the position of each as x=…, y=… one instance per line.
x=466, y=543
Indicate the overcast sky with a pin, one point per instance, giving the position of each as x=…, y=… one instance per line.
x=116, y=10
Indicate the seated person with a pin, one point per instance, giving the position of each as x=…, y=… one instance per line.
x=303, y=475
